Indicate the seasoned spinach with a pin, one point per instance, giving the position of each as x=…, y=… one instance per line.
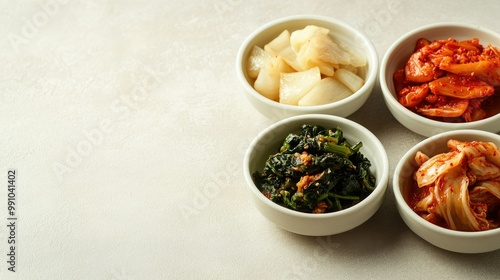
x=316, y=171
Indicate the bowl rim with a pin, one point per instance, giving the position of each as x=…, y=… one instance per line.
x=382, y=179
x=371, y=57
x=401, y=202
x=393, y=102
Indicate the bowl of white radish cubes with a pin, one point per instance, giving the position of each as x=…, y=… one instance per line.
x=307, y=64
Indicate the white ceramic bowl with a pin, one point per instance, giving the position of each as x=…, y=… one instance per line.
x=452, y=240
x=399, y=52
x=342, y=31
x=268, y=142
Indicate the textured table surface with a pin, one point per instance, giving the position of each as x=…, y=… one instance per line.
x=126, y=126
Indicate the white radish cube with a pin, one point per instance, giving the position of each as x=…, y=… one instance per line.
x=349, y=79
x=281, y=46
x=294, y=86
x=351, y=68
x=268, y=84
x=326, y=91
x=277, y=66
x=268, y=80
x=258, y=60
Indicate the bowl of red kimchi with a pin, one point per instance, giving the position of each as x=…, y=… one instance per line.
x=447, y=190
x=444, y=77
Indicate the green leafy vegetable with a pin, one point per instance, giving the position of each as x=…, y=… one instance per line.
x=317, y=171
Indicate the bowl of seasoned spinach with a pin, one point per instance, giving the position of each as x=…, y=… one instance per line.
x=316, y=174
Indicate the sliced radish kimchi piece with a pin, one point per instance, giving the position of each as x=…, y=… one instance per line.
x=461, y=87
x=486, y=70
x=419, y=69
x=454, y=108
x=411, y=96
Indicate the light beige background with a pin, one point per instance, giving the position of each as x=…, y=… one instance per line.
x=127, y=127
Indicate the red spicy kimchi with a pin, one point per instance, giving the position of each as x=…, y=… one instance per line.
x=450, y=80
x=460, y=189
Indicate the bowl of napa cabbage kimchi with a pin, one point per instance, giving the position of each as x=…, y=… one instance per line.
x=447, y=190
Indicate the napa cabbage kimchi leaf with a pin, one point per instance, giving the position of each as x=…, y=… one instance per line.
x=461, y=187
